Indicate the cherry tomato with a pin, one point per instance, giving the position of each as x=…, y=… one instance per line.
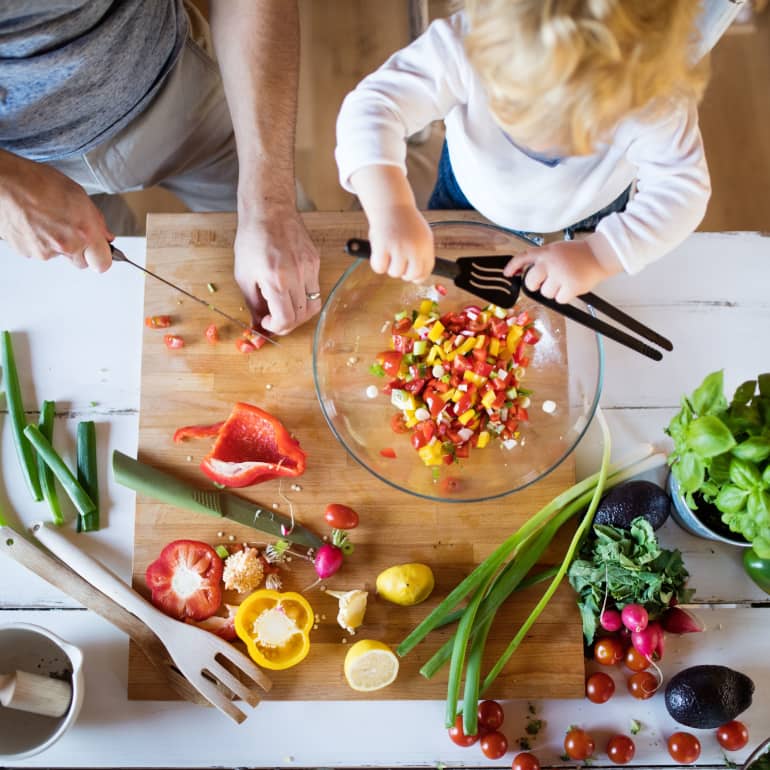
x=684, y=748
x=494, y=745
x=578, y=744
x=450, y=485
x=490, y=715
x=643, y=685
x=599, y=687
x=398, y=423
x=256, y=340
x=341, y=516
x=608, y=651
x=390, y=361
x=212, y=334
x=245, y=346
x=733, y=736
x=635, y=660
x=620, y=749
x=388, y=452
x=525, y=761
x=458, y=736
x=173, y=341
x=157, y=321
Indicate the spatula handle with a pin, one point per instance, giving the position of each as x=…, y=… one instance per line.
x=362, y=249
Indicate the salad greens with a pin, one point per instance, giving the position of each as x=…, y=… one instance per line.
x=629, y=567
x=722, y=452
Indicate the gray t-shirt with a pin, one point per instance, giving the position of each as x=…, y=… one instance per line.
x=74, y=72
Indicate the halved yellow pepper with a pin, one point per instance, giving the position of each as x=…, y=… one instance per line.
x=275, y=627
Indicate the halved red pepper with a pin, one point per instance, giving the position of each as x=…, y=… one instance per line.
x=252, y=446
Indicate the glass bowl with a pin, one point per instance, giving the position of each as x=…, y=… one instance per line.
x=564, y=376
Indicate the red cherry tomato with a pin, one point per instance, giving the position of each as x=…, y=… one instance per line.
x=643, y=685
x=490, y=715
x=608, y=651
x=245, y=346
x=157, y=321
x=458, y=736
x=450, y=485
x=525, y=761
x=173, y=341
x=599, y=687
x=340, y=516
x=635, y=660
x=578, y=744
x=733, y=736
x=494, y=745
x=620, y=749
x=212, y=334
x=684, y=748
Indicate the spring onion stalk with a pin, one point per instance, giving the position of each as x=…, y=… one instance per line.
x=87, y=474
x=473, y=676
x=17, y=418
x=577, y=538
x=47, y=482
x=495, y=560
x=77, y=494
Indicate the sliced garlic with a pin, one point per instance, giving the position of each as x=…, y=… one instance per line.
x=352, y=607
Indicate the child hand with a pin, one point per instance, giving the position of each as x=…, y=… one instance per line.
x=561, y=270
x=402, y=243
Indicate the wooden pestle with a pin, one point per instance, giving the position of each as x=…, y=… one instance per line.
x=35, y=693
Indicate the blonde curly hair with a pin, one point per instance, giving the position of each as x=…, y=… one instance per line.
x=566, y=72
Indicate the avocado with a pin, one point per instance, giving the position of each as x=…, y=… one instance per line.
x=625, y=502
x=705, y=697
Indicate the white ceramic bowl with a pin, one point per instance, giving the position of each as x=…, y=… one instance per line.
x=30, y=648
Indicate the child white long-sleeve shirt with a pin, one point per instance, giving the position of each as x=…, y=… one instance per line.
x=432, y=79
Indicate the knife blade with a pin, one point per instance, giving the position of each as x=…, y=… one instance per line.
x=162, y=486
x=119, y=256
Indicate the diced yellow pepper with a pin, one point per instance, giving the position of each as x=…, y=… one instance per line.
x=494, y=346
x=434, y=354
x=450, y=394
x=480, y=341
x=426, y=306
x=514, y=335
x=430, y=454
x=409, y=419
x=470, y=376
x=436, y=331
x=420, y=321
x=466, y=417
x=457, y=394
x=483, y=439
x=488, y=399
x=462, y=349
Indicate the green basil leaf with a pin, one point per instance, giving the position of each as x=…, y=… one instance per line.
x=766, y=477
x=764, y=384
x=677, y=428
x=744, y=393
x=708, y=436
x=744, y=417
x=761, y=545
x=709, y=398
x=754, y=449
x=719, y=468
x=731, y=499
x=744, y=474
x=689, y=472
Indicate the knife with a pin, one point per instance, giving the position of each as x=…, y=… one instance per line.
x=119, y=256
x=163, y=486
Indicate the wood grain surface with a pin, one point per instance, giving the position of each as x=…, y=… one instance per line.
x=199, y=384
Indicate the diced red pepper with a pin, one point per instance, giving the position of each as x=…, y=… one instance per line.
x=390, y=361
x=185, y=580
x=402, y=325
x=530, y=336
x=415, y=386
x=402, y=344
x=157, y=321
x=388, y=452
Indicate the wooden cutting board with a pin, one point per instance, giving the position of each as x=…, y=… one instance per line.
x=199, y=384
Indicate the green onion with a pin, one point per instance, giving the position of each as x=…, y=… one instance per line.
x=18, y=420
x=77, y=494
x=47, y=481
x=87, y=474
x=222, y=551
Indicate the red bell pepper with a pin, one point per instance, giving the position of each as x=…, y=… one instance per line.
x=185, y=580
x=252, y=446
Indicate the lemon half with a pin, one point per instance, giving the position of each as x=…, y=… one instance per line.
x=370, y=665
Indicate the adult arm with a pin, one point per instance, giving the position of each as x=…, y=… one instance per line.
x=276, y=263
x=44, y=214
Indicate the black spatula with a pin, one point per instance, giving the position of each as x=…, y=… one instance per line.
x=483, y=276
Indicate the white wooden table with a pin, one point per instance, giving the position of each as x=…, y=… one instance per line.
x=78, y=339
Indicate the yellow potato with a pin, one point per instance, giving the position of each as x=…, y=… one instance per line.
x=406, y=584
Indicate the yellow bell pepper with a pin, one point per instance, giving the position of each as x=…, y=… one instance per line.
x=431, y=454
x=515, y=333
x=436, y=331
x=275, y=627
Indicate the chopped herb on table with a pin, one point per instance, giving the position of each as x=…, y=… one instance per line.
x=627, y=567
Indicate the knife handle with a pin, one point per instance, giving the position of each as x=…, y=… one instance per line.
x=161, y=486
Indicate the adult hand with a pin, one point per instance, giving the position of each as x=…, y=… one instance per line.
x=561, y=270
x=44, y=214
x=276, y=267
x=402, y=242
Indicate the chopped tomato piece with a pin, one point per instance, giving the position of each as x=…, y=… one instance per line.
x=398, y=423
x=157, y=321
x=212, y=334
x=245, y=346
x=390, y=361
x=388, y=452
x=173, y=341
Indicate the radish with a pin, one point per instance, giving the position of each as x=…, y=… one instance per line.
x=678, y=621
x=328, y=560
x=634, y=617
x=647, y=640
x=610, y=620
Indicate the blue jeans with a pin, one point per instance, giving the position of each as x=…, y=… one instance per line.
x=448, y=195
